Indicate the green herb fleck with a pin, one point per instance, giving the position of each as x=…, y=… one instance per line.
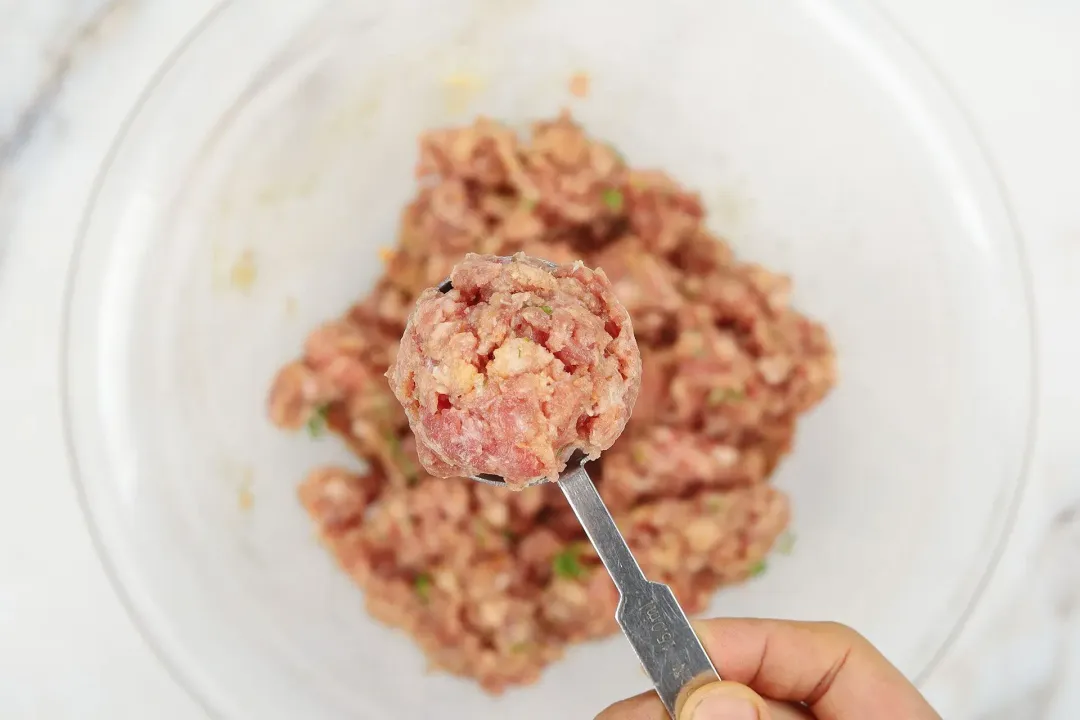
x=547, y=309
x=715, y=503
x=639, y=454
x=528, y=203
x=613, y=199
x=786, y=544
x=407, y=467
x=567, y=565
x=721, y=396
x=520, y=647
x=422, y=586
x=316, y=424
x=480, y=532
x=759, y=568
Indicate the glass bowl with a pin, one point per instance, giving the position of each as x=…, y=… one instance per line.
x=247, y=197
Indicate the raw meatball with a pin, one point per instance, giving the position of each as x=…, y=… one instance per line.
x=518, y=365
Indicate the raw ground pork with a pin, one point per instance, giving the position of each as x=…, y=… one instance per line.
x=492, y=584
x=513, y=369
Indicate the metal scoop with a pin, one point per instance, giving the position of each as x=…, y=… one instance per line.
x=648, y=612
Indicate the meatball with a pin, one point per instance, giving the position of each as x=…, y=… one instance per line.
x=517, y=366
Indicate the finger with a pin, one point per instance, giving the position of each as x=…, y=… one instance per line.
x=724, y=701
x=786, y=711
x=647, y=706
x=828, y=666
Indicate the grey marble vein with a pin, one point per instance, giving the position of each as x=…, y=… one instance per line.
x=39, y=45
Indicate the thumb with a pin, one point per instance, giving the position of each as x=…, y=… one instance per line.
x=724, y=701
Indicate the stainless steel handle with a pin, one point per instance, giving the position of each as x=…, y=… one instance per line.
x=648, y=613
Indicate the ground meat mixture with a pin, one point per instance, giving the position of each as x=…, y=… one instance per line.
x=517, y=366
x=494, y=584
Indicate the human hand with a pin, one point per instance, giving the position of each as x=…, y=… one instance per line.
x=778, y=670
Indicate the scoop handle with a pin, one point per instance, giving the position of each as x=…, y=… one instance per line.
x=648, y=612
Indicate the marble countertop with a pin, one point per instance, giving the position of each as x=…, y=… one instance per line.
x=68, y=650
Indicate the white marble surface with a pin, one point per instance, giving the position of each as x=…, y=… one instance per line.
x=67, y=648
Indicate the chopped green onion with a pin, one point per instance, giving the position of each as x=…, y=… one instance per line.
x=786, y=544
x=759, y=568
x=613, y=199
x=721, y=396
x=567, y=565
x=480, y=532
x=422, y=586
x=547, y=309
x=316, y=424
x=408, y=469
x=528, y=203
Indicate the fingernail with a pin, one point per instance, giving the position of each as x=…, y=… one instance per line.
x=719, y=706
